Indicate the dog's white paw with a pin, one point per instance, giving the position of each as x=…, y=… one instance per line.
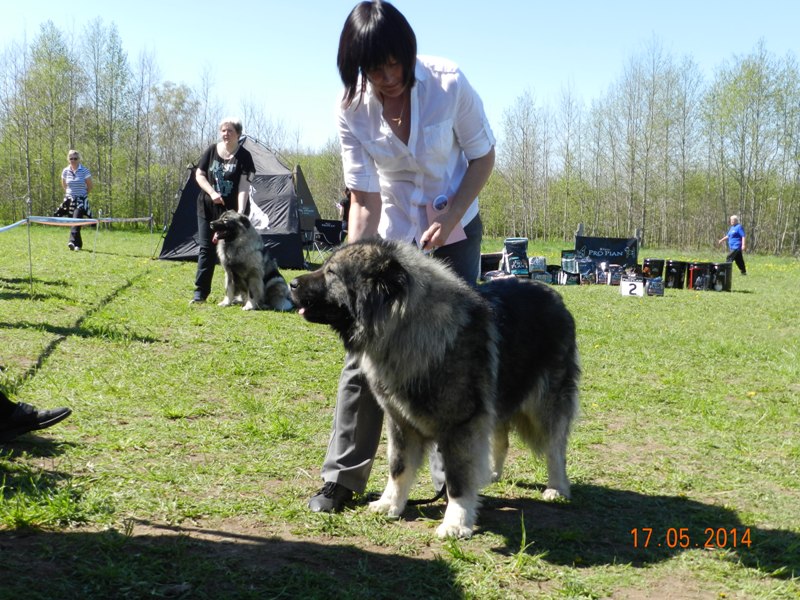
x=225, y=302
x=454, y=530
x=249, y=306
x=386, y=507
x=552, y=494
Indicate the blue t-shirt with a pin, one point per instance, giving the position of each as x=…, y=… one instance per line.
x=735, y=235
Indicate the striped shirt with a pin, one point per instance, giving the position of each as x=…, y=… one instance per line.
x=76, y=181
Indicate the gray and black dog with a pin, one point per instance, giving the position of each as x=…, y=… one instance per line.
x=451, y=364
x=251, y=275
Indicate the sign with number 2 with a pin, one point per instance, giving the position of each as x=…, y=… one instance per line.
x=631, y=287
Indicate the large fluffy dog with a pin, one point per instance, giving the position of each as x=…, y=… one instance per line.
x=452, y=365
x=251, y=275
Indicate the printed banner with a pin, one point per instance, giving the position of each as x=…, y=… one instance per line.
x=614, y=251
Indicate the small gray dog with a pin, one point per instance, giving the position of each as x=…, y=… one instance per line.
x=251, y=275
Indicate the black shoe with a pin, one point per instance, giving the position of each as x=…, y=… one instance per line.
x=26, y=418
x=330, y=498
x=198, y=298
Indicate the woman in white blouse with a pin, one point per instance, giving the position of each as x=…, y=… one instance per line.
x=412, y=130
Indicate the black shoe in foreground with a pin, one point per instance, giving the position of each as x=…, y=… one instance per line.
x=330, y=498
x=26, y=418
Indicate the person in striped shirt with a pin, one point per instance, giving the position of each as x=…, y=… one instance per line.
x=77, y=183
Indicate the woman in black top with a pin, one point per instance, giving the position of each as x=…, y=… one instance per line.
x=223, y=174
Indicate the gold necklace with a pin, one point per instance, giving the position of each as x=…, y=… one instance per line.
x=398, y=121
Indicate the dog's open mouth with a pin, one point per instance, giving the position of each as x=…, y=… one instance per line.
x=218, y=234
x=327, y=314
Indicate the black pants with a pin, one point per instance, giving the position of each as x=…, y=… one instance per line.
x=207, y=255
x=737, y=257
x=75, y=232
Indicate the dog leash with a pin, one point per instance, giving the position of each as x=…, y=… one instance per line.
x=439, y=495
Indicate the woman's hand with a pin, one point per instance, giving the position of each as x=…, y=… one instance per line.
x=202, y=181
x=435, y=236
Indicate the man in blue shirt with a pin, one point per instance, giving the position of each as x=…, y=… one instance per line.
x=736, y=244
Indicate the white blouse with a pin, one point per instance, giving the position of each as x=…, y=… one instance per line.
x=448, y=128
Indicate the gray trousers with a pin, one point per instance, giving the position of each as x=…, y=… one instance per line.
x=358, y=419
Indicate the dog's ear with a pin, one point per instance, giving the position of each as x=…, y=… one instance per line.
x=384, y=288
x=246, y=222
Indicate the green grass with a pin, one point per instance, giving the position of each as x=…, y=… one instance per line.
x=198, y=433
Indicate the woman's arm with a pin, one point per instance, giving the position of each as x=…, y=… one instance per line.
x=88, y=182
x=202, y=181
x=475, y=178
x=365, y=214
x=244, y=193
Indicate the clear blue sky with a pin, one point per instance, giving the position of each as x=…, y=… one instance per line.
x=282, y=55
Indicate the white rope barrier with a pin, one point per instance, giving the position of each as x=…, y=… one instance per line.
x=67, y=222
x=70, y=222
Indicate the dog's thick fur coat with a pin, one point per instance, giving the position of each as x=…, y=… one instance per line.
x=451, y=364
x=251, y=275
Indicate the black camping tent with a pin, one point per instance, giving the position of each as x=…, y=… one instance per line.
x=281, y=208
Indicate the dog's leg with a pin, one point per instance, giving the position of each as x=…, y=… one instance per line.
x=499, y=450
x=255, y=292
x=556, y=453
x=406, y=449
x=229, y=290
x=466, y=464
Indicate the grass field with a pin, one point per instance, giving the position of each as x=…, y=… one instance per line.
x=198, y=433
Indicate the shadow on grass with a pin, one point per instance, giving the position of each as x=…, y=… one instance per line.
x=603, y=526
x=120, y=254
x=33, y=445
x=156, y=560
x=20, y=288
x=25, y=281
x=192, y=563
x=61, y=333
x=79, y=331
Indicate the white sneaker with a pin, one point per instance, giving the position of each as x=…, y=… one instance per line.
x=71, y=246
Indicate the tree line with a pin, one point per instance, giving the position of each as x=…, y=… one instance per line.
x=663, y=152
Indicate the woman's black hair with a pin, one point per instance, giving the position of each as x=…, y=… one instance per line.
x=374, y=32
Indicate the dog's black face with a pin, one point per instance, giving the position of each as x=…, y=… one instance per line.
x=229, y=225
x=353, y=291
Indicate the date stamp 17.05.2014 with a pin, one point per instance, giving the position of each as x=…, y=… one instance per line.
x=684, y=537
